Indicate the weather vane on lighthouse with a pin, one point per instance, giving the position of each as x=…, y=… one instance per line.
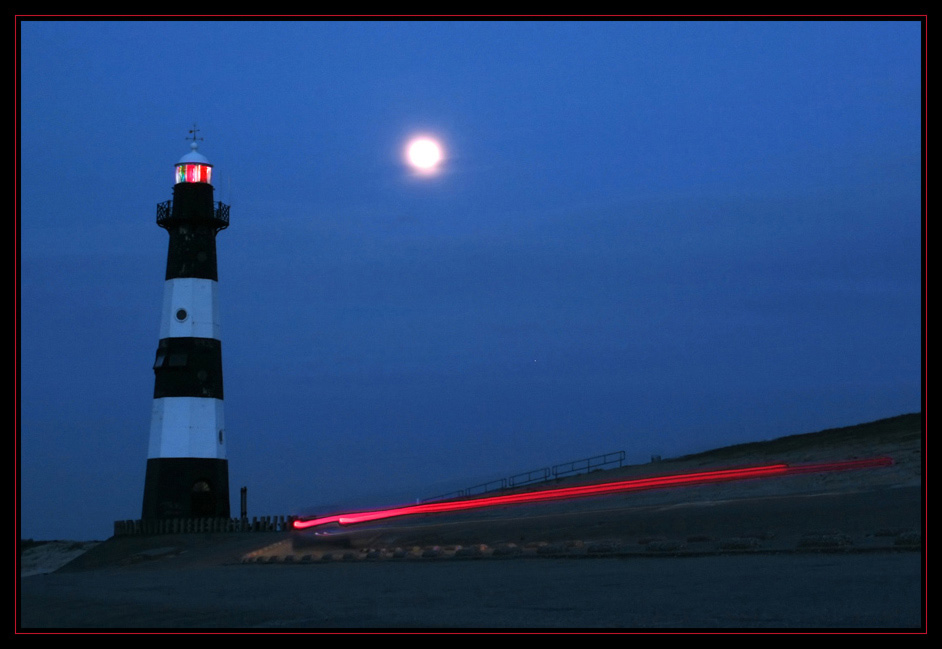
x=193, y=132
x=187, y=470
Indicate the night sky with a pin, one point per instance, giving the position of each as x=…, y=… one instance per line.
x=657, y=237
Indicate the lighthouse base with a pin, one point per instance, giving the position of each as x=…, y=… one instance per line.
x=184, y=487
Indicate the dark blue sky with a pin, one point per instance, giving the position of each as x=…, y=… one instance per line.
x=657, y=237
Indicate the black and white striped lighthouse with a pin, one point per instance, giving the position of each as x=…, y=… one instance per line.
x=187, y=470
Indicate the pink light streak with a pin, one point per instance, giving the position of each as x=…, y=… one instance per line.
x=562, y=493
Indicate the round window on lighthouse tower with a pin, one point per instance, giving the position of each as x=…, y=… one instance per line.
x=181, y=315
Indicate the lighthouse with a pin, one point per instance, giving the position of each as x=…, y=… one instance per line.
x=187, y=471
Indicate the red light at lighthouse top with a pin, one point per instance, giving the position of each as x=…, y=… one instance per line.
x=193, y=167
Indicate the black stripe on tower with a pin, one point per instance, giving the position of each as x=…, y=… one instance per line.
x=192, y=230
x=192, y=252
x=192, y=221
x=184, y=487
x=188, y=367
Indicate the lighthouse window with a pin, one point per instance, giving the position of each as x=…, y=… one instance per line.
x=161, y=357
x=220, y=435
x=181, y=314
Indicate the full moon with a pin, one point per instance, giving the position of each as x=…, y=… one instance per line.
x=424, y=154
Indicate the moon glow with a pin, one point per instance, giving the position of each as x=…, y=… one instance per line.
x=424, y=154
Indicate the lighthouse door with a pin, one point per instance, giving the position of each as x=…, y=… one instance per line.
x=202, y=501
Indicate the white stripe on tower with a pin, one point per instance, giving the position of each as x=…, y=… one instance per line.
x=187, y=427
x=200, y=299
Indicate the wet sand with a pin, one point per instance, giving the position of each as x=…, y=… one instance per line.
x=787, y=591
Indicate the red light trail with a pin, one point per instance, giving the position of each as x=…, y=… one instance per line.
x=562, y=493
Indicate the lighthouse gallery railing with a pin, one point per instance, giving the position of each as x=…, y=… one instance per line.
x=220, y=214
